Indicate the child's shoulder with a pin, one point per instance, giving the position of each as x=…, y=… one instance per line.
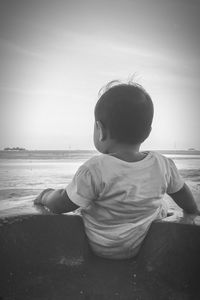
x=93, y=166
x=98, y=163
x=94, y=160
x=159, y=155
x=162, y=159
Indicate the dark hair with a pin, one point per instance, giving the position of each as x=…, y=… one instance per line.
x=126, y=110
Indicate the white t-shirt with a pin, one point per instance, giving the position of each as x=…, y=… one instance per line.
x=120, y=200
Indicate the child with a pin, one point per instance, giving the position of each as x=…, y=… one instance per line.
x=121, y=191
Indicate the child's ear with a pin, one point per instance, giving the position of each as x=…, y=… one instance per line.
x=102, y=131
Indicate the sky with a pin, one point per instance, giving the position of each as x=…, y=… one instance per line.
x=56, y=55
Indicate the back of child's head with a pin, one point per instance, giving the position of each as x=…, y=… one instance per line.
x=126, y=111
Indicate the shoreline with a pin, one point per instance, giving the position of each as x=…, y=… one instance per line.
x=83, y=154
x=15, y=193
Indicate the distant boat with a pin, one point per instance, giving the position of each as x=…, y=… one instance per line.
x=14, y=149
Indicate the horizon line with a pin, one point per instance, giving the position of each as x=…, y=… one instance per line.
x=24, y=149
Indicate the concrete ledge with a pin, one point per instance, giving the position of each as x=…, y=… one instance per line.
x=170, y=255
x=48, y=257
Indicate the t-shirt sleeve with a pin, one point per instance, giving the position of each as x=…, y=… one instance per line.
x=82, y=189
x=175, y=181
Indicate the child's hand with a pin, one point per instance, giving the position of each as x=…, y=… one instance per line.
x=39, y=198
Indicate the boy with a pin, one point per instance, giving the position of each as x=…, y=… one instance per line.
x=121, y=191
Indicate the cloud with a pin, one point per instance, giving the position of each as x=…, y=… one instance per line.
x=35, y=92
x=11, y=47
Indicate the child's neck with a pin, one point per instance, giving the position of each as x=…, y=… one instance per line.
x=129, y=153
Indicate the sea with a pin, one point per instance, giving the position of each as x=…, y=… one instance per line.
x=26, y=173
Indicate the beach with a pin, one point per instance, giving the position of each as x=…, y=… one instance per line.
x=24, y=174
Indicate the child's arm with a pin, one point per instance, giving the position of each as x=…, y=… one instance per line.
x=57, y=201
x=82, y=190
x=185, y=200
